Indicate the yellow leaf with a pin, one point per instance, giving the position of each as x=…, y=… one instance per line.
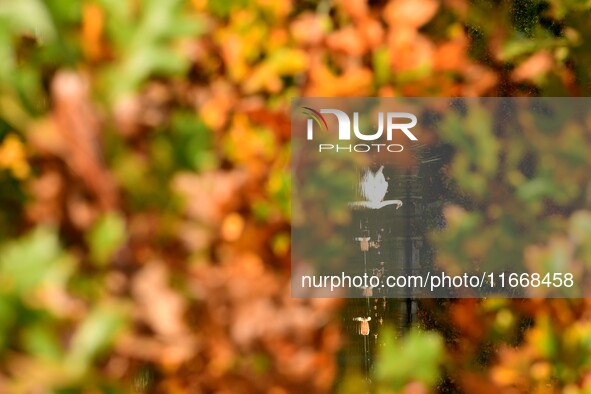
x=13, y=157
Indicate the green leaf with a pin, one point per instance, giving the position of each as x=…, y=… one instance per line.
x=521, y=47
x=415, y=357
x=192, y=141
x=146, y=42
x=36, y=258
x=41, y=341
x=105, y=237
x=27, y=16
x=536, y=189
x=94, y=335
x=8, y=317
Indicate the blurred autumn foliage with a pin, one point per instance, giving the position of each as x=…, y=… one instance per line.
x=144, y=177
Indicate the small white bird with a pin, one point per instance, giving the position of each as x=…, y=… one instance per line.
x=374, y=185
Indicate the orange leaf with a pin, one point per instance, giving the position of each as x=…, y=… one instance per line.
x=92, y=30
x=409, y=13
